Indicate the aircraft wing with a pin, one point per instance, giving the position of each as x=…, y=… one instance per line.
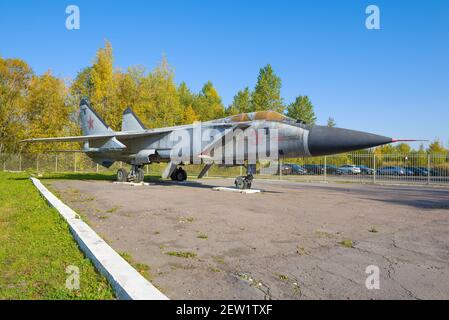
x=123, y=135
x=217, y=139
x=71, y=139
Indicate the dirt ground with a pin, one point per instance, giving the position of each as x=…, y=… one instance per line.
x=292, y=241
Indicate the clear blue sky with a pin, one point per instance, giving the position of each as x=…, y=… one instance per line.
x=393, y=81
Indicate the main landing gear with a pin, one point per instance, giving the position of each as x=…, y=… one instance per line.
x=244, y=182
x=179, y=174
x=135, y=175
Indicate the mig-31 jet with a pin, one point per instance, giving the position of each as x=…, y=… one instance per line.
x=239, y=140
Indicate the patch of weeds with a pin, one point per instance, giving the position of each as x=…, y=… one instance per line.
x=202, y=236
x=282, y=277
x=103, y=217
x=301, y=251
x=162, y=246
x=113, y=209
x=347, y=243
x=323, y=233
x=142, y=268
x=373, y=230
x=219, y=260
x=156, y=232
x=213, y=269
x=181, y=254
x=126, y=256
x=186, y=219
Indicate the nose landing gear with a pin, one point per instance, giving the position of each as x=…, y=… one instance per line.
x=135, y=175
x=244, y=182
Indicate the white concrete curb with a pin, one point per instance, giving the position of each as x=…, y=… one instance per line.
x=126, y=281
x=246, y=191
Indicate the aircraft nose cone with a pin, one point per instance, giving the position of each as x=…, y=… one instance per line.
x=324, y=140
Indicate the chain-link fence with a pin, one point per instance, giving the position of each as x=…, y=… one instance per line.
x=413, y=168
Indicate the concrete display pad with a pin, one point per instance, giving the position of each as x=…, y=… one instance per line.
x=293, y=241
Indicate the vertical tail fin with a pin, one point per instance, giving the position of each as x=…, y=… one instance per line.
x=91, y=122
x=130, y=122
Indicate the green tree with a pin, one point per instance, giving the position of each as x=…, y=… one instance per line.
x=267, y=93
x=302, y=109
x=241, y=103
x=331, y=122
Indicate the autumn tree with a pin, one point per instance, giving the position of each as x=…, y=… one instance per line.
x=403, y=148
x=187, y=100
x=45, y=111
x=102, y=78
x=302, y=109
x=15, y=77
x=208, y=105
x=267, y=93
x=436, y=147
x=159, y=101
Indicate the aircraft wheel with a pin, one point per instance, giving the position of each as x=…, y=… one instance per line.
x=140, y=175
x=241, y=183
x=179, y=175
x=122, y=175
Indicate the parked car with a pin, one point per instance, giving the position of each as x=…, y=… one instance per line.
x=350, y=169
x=314, y=168
x=330, y=169
x=366, y=170
x=293, y=168
x=391, y=171
x=416, y=171
x=436, y=171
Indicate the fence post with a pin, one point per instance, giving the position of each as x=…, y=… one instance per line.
x=325, y=168
x=97, y=167
x=56, y=162
x=74, y=162
x=374, y=167
x=20, y=162
x=280, y=169
x=37, y=162
x=428, y=168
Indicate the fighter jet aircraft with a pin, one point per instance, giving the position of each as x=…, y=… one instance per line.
x=210, y=142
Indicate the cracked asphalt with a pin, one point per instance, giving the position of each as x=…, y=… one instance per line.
x=284, y=243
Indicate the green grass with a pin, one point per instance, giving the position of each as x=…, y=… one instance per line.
x=347, y=243
x=202, y=236
x=181, y=254
x=36, y=247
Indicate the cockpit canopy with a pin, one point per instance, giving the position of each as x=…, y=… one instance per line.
x=268, y=115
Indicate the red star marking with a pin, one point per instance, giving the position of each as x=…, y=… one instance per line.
x=91, y=123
